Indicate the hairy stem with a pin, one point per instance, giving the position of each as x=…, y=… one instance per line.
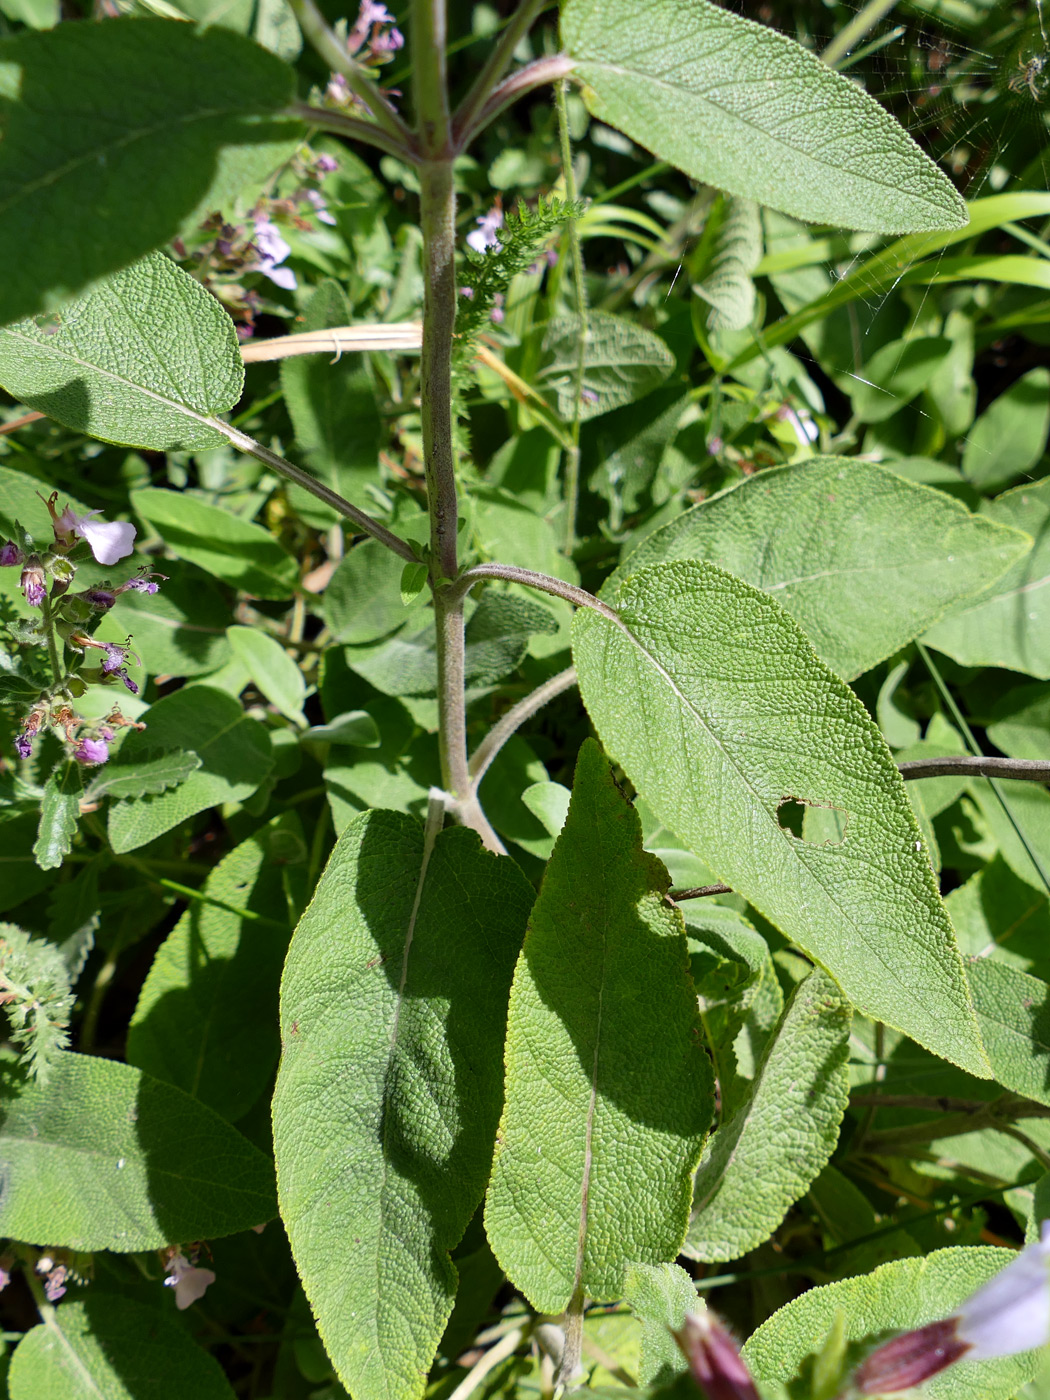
x=502, y=730
x=497, y=63
x=54, y=656
x=534, y=75
x=371, y=133
x=572, y=456
x=1032, y=770
x=277, y=463
x=328, y=44
x=546, y=583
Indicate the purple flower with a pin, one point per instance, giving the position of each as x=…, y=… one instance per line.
x=189, y=1283
x=55, y=1283
x=387, y=41
x=101, y=599
x=714, y=1361
x=24, y=744
x=326, y=164
x=484, y=236
x=139, y=585
x=114, y=658
x=10, y=555
x=34, y=582
x=316, y=198
x=497, y=314
x=272, y=249
x=91, y=752
x=129, y=684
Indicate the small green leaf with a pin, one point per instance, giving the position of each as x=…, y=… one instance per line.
x=862, y=559
x=234, y=752
x=361, y=601
x=1009, y=437
x=736, y=105
x=153, y=773
x=237, y=551
x=760, y=1162
x=897, y=1297
x=110, y=1347
x=413, y=581
x=87, y=188
x=355, y=729
x=272, y=670
x=109, y=1158
x=393, y=1008
x=206, y=1019
x=608, y=1089
x=660, y=1295
x=59, y=813
x=142, y=359
x=713, y=701
x=622, y=361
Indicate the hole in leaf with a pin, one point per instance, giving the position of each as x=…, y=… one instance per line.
x=815, y=823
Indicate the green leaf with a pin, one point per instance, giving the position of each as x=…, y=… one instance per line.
x=896, y=374
x=1027, y=854
x=272, y=670
x=234, y=753
x=150, y=775
x=59, y=813
x=413, y=581
x=393, y=1008
x=621, y=451
x=1013, y=1011
x=1009, y=624
x=333, y=410
x=711, y=698
x=760, y=1162
x=109, y=1158
x=20, y=876
x=206, y=1019
x=737, y=250
x=110, y=1347
x=897, y=1297
x=37, y=14
x=997, y=914
x=1021, y=722
x=738, y=991
x=142, y=359
x=235, y=550
x=736, y=105
x=622, y=361
x=862, y=559
x=83, y=140
x=1009, y=437
x=660, y=1295
x=608, y=1088
x=361, y=602
x=354, y=729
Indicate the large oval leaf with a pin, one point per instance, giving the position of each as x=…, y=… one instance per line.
x=608, y=1086
x=393, y=1009
x=720, y=712
x=862, y=559
x=896, y=1297
x=116, y=136
x=746, y=109
x=107, y=1157
x=143, y=359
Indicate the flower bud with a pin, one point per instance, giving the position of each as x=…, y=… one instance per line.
x=716, y=1365
x=10, y=555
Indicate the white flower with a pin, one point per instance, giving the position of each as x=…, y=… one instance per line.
x=484, y=236
x=110, y=540
x=1011, y=1312
x=188, y=1282
x=272, y=250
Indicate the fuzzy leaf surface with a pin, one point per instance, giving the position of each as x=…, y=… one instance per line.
x=110, y=1347
x=896, y=1297
x=760, y=1162
x=107, y=1157
x=621, y=362
x=141, y=359
x=152, y=774
x=608, y=1088
x=206, y=1018
x=59, y=813
x=118, y=136
x=271, y=668
x=1013, y=1010
x=660, y=1295
x=862, y=559
x=714, y=702
x=736, y=105
x=1009, y=623
x=393, y=1009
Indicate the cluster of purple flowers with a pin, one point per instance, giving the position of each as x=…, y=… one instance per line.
x=47, y=573
x=372, y=41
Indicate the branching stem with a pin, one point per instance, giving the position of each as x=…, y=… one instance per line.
x=546, y=583
x=355, y=129
x=502, y=730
